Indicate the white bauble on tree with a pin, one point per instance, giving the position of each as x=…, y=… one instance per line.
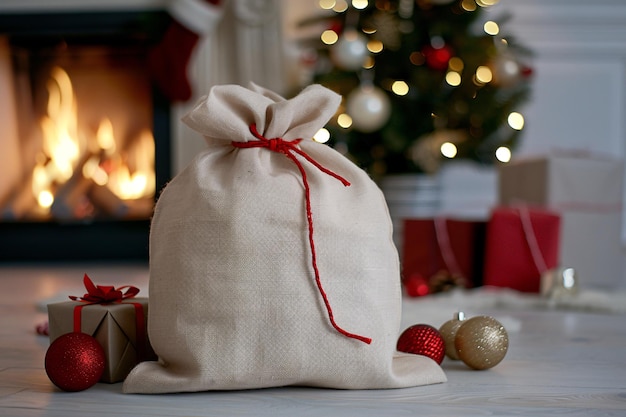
x=506, y=69
x=350, y=50
x=369, y=107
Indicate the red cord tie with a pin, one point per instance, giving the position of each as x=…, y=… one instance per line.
x=289, y=149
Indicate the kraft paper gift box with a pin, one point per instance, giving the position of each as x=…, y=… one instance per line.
x=113, y=325
x=586, y=191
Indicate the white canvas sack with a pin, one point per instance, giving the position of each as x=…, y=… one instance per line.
x=254, y=283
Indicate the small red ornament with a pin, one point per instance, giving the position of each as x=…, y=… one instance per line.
x=437, y=58
x=422, y=339
x=43, y=329
x=416, y=285
x=526, y=71
x=75, y=361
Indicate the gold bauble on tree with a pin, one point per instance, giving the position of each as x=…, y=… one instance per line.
x=481, y=342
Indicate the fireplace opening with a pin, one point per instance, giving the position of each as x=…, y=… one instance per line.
x=86, y=139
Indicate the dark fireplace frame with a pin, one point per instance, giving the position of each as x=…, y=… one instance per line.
x=96, y=239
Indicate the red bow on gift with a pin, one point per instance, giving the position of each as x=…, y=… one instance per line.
x=105, y=294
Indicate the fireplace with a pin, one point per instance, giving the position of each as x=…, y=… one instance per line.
x=84, y=136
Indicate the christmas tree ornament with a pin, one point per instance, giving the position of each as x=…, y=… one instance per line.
x=481, y=342
x=74, y=361
x=416, y=285
x=350, y=50
x=423, y=339
x=437, y=58
x=448, y=332
x=506, y=70
x=369, y=108
x=526, y=71
x=43, y=328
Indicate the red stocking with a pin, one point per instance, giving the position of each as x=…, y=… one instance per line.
x=169, y=59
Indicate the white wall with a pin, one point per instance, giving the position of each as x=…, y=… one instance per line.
x=580, y=73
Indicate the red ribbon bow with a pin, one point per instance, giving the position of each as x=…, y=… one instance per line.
x=289, y=149
x=105, y=294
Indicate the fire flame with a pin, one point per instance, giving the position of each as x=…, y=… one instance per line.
x=67, y=150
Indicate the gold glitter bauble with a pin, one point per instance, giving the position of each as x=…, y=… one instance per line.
x=448, y=332
x=481, y=342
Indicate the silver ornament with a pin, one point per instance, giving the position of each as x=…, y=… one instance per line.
x=369, y=107
x=350, y=51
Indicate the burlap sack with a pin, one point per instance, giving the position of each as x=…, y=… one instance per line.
x=256, y=251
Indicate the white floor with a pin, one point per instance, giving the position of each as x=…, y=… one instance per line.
x=560, y=362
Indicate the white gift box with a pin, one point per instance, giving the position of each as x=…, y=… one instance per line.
x=587, y=191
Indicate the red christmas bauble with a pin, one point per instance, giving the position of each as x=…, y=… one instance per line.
x=422, y=339
x=74, y=361
x=416, y=285
x=527, y=71
x=437, y=58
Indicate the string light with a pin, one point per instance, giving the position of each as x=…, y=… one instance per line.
x=374, y=46
x=487, y=3
x=453, y=78
x=340, y=6
x=327, y=4
x=322, y=136
x=483, y=74
x=468, y=5
x=503, y=154
x=344, y=120
x=491, y=28
x=516, y=120
x=456, y=64
x=329, y=37
x=448, y=149
x=400, y=88
x=359, y=4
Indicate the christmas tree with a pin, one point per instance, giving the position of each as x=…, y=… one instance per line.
x=423, y=81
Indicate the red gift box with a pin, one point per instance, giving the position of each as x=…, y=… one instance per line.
x=435, y=245
x=521, y=244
